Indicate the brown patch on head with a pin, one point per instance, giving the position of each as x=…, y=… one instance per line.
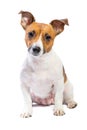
x=40, y=30
x=64, y=75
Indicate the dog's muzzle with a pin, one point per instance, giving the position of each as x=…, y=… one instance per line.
x=34, y=50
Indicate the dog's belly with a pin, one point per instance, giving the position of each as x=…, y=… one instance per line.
x=43, y=101
x=44, y=94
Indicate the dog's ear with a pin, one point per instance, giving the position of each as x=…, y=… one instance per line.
x=26, y=18
x=58, y=25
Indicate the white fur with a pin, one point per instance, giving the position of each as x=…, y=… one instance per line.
x=38, y=75
x=39, y=44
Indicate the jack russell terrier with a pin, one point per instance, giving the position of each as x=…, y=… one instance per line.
x=43, y=78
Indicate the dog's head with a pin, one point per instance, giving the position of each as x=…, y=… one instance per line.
x=39, y=37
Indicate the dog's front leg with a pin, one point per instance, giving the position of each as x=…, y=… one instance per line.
x=58, y=108
x=27, y=112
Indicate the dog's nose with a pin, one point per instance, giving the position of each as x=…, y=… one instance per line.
x=36, y=50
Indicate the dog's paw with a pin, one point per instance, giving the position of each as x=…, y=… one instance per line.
x=71, y=104
x=25, y=115
x=26, y=112
x=59, y=112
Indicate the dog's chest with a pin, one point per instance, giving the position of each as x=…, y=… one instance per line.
x=42, y=82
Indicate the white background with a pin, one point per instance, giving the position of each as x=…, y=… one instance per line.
x=71, y=48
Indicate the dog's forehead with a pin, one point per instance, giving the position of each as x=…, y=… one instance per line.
x=41, y=27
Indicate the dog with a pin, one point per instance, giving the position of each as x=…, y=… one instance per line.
x=43, y=78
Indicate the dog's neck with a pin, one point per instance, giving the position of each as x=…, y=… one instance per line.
x=39, y=61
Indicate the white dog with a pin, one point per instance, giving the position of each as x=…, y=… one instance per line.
x=43, y=78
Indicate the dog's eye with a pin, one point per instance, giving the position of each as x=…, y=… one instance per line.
x=31, y=34
x=47, y=37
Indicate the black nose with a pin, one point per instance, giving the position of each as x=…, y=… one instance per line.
x=36, y=50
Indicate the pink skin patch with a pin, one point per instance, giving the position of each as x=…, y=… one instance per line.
x=43, y=101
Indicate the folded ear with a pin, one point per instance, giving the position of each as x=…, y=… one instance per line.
x=26, y=18
x=58, y=25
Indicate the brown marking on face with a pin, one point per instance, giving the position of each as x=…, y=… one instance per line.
x=33, y=27
x=64, y=75
x=43, y=31
x=48, y=35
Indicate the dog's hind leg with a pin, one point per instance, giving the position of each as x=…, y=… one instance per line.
x=68, y=95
